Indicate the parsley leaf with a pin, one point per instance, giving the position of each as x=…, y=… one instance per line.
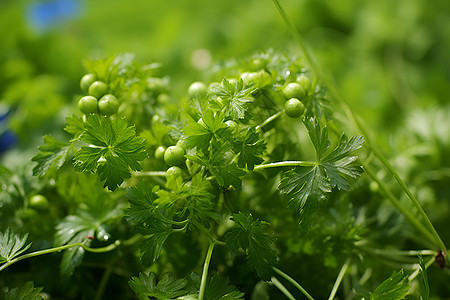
x=394, y=288
x=52, y=154
x=250, y=235
x=306, y=186
x=218, y=287
x=250, y=150
x=200, y=134
x=141, y=200
x=168, y=287
x=12, y=245
x=24, y=292
x=75, y=126
x=113, y=150
x=235, y=98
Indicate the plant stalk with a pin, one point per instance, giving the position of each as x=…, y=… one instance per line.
x=295, y=283
x=201, y=293
x=339, y=279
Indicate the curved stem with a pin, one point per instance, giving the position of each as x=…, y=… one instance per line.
x=201, y=293
x=339, y=279
x=404, y=210
x=295, y=283
x=269, y=119
x=417, y=271
x=282, y=288
x=150, y=174
x=288, y=163
x=57, y=249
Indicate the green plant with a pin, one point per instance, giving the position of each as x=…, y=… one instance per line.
x=245, y=183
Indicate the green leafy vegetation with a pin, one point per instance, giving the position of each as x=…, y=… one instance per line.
x=226, y=173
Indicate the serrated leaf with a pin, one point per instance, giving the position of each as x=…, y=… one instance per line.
x=75, y=126
x=251, y=150
x=168, y=287
x=114, y=150
x=155, y=232
x=250, y=235
x=25, y=292
x=201, y=134
x=52, y=154
x=235, y=98
x=141, y=200
x=12, y=245
x=307, y=186
x=394, y=288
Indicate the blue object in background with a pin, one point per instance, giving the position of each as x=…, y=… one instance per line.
x=43, y=15
x=7, y=138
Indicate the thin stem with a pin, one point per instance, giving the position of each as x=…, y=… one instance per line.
x=201, y=293
x=210, y=236
x=104, y=281
x=339, y=279
x=401, y=252
x=282, y=288
x=435, y=236
x=417, y=271
x=288, y=163
x=56, y=249
x=406, y=212
x=269, y=119
x=334, y=91
x=150, y=174
x=295, y=283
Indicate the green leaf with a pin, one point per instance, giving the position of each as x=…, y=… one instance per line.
x=307, y=186
x=394, y=288
x=250, y=235
x=12, y=245
x=218, y=287
x=141, y=200
x=145, y=286
x=113, y=150
x=156, y=232
x=201, y=134
x=424, y=287
x=251, y=150
x=235, y=98
x=100, y=211
x=75, y=126
x=52, y=154
x=25, y=292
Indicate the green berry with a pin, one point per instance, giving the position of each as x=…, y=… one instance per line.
x=197, y=89
x=294, y=108
x=108, y=105
x=98, y=89
x=88, y=105
x=294, y=90
x=174, y=155
x=86, y=81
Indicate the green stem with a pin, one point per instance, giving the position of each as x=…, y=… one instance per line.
x=334, y=91
x=104, y=281
x=405, y=211
x=282, y=288
x=270, y=119
x=295, y=283
x=435, y=236
x=339, y=279
x=56, y=249
x=201, y=293
x=211, y=238
x=150, y=174
x=417, y=271
x=292, y=163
